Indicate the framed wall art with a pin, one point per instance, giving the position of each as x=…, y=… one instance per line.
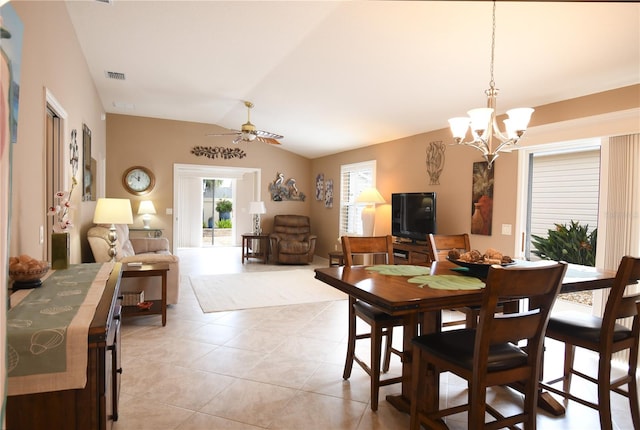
x=482, y=198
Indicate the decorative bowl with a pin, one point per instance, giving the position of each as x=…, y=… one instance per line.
x=479, y=270
x=29, y=278
x=145, y=306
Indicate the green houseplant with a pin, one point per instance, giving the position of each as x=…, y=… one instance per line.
x=572, y=243
x=224, y=207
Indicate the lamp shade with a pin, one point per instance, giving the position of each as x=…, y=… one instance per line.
x=113, y=211
x=146, y=207
x=257, y=208
x=370, y=196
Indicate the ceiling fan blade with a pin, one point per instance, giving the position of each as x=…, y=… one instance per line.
x=269, y=140
x=237, y=139
x=267, y=134
x=232, y=133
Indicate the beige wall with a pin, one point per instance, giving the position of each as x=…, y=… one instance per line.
x=52, y=59
x=159, y=144
x=401, y=168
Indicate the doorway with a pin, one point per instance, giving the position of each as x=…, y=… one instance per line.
x=188, y=225
x=218, y=206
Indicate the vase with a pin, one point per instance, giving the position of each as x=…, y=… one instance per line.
x=477, y=221
x=60, y=250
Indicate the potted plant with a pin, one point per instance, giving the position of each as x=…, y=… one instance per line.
x=224, y=207
x=571, y=243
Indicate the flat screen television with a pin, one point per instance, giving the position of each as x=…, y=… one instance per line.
x=413, y=215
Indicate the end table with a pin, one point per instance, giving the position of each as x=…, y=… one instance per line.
x=159, y=307
x=255, y=246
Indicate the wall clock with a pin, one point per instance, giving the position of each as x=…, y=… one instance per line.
x=138, y=180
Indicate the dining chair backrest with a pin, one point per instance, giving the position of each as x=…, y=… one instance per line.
x=441, y=244
x=618, y=304
x=538, y=284
x=372, y=245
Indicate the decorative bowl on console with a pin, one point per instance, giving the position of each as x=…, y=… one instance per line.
x=27, y=272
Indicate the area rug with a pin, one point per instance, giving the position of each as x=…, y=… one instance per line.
x=260, y=289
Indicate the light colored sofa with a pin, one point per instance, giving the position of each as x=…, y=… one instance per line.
x=138, y=249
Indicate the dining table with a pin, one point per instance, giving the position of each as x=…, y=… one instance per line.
x=422, y=305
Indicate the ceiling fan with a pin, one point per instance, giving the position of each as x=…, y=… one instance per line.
x=248, y=132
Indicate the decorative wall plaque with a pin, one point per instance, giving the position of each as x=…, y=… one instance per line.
x=218, y=152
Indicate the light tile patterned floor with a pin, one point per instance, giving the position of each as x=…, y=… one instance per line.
x=270, y=368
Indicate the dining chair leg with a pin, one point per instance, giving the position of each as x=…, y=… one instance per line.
x=376, y=352
x=632, y=388
x=471, y=320
x=569, y=353
x=604, y=392
x=477, y=405
x=530, y=403
x=351, y=345
x=387, y=349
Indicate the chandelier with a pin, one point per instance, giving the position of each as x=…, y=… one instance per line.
x=482, y=121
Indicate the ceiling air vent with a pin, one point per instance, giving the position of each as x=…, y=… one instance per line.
x=114, y=75
x=105, y=1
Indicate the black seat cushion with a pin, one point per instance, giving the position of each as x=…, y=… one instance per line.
x=583, y=326
x=457, y=347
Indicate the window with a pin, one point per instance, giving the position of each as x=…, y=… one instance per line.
x=354, y=178
x=563, y=187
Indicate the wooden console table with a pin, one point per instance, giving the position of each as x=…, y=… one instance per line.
x=411, y=253
x=95, y=406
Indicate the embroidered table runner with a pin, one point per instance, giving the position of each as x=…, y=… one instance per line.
x=47, y=330
x=448, y=282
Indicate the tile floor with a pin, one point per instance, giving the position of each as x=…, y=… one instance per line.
x=270, y=368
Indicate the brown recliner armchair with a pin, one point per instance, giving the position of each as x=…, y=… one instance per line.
x=291, y=240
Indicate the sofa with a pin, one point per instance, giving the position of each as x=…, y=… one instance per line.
x=291, y=240
x=138, y=249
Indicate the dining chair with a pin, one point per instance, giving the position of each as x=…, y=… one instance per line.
x=503, y=349
x=381, y=324
x=440, y=245
x=605, y=336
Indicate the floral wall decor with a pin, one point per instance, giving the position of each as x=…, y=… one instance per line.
x=435, y=161
x=482, y=198
x=218, y=152
x=60, y=210
x=320, y=186
x=285, y=190
x=328, y=194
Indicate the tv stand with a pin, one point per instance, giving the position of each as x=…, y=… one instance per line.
x=411, y=253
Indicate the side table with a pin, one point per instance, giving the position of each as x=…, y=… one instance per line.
x=336, y=258
x=158, y=307
x=250, y=250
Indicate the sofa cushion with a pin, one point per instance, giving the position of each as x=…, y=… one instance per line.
x=126, y=249
x=143, y=245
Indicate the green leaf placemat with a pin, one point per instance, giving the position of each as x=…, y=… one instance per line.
x=448, y=282
x=400, y=269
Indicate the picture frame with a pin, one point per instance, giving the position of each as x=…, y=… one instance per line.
x=88, y=167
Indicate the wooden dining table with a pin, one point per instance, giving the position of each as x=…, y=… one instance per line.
x=394, y=295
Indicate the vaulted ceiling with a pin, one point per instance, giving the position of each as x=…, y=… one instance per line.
x=336, y=75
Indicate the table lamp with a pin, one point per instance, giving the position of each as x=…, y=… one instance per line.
x=257, y=208
x=113, y=211
x=146, y=209
x=370, y=197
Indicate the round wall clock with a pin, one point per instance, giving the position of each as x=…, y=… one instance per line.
x=138, y=180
